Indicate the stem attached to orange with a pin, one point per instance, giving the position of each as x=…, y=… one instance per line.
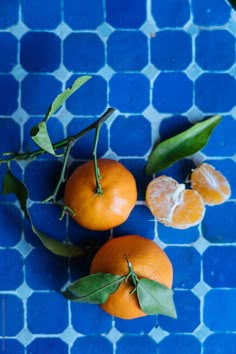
x=99, y=190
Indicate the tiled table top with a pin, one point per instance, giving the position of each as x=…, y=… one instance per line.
x=163, y=65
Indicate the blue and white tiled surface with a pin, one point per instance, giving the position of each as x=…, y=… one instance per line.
x=163, y=65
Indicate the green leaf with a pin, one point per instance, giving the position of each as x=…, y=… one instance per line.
x=232, y=3
x=62, y=97
x=181, y=145
x=39, y=133
x=155, y=298
x=93, y=289
x=11, y=184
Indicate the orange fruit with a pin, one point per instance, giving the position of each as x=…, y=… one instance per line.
x=172, y=204
x=101, y=211
x=148, y=261
x=210, y=184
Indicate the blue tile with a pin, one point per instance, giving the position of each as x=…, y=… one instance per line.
x=8, y=102
x=41, y=15
x=41, y=178
x=171, y=13
x=126, y=14
x=209, y=42
x=188, y=312
x=76, y=14
x=95, y=320
x=8, y=56
x=84, y=147
x=186, y=263
x=219, y=310
x=173, y=125
x=136, y=136
x=222, y=141
x=45, y=271
x=45, y=217
x=127, y=51
x=228, y=168
x=139, y=325
x=180, y=343
x=210, y=12
x=89, y=344
x=11, y=130
x=89, y=100
x=180, y=170
x=220, y=343
x=11, y=269
x=47, y=345
x=79, y=235
x=47, y=313
x=79, y=49
x=137, y=167
x=13, y=309
x=40, y=52
x=10, y=233
x=136, y=345
x=55, y=130
x=9, y=11
x=79, y=267
x=129, y=92
x=140, y=222
x=172, y=93
x=214, y=93
x=12, y=346
x=174, y=236
x=217, y=232
x=29, y=236
x=38, y=92
x=171, y=50
x=218, y=266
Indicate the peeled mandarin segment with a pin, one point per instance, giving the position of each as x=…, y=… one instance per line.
x=210, y=184
x=189, y=212
x=162, y=195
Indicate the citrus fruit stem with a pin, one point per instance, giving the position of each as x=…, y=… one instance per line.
x=133, y=276
x=99, y=190
x=68, y=143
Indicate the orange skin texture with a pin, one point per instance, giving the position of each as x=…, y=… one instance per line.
x=210, y=184
x=148, y=261
x=101, y=212
x=172, y=204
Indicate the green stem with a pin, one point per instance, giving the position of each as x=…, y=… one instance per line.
x=99, y=190
x=133, y=276
x=61, y=180
x=32, y=154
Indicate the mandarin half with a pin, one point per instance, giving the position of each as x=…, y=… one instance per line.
x=172, y=204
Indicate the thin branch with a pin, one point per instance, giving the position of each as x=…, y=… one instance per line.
x=32, y=154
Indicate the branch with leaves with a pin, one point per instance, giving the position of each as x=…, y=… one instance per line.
x=39, y=134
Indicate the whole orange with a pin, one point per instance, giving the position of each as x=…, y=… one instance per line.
x=148, y=261
x=101, y=211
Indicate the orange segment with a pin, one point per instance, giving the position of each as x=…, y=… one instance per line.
x=162, y=194
x=172, y=204
x=189, y=212
x=210, y=184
